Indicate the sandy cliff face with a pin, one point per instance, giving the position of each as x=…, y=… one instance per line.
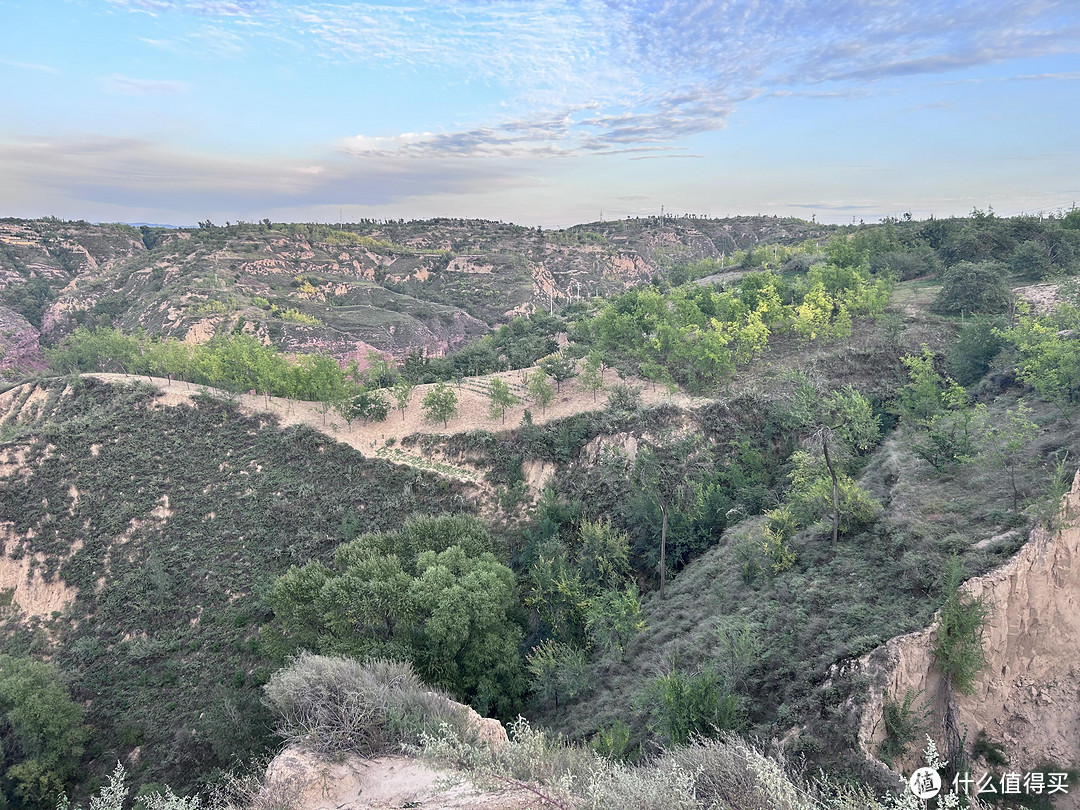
x=301, y=780
x=19, y=346
x=1028, y=694
x=305, y=781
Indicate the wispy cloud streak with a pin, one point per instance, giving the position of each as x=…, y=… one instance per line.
x=632, y=72
x=128, y=86
x=139, y=173
x=30, y=66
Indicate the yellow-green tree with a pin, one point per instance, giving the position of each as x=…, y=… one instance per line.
x=502, y=399
x=441, y=404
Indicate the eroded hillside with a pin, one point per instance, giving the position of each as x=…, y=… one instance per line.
x=139, y=540
x=388, y=287
x=1025, y=697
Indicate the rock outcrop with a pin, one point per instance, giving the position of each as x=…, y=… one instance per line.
x=302, y=780
x=1027, y=697
x=19, y=346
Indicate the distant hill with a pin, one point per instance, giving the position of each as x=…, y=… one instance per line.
x=390, y=287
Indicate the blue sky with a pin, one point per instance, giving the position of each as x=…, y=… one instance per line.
x=540, y=112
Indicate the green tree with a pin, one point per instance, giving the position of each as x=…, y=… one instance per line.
x=402, y=393
x=172, y=358
x=43, y=734
x=540, y=390
x=379, y=372
x=613, y=617
x=556, y=670
x=937, y=409
x=927, y=392
x=1002, y=445
x=502, y=399
x=979, y=341
x=560, y=368
x=432, y=593
x=370, y=406
x=671, y=477
x=818, y=490
x=441, y=404
x=840, y=423
x=1031, y=261
x=820, y=315
x=464, y=638
x=958, y=645
x=1048, y=353
x=603, y=555
x=557, y=594
x=592, y=373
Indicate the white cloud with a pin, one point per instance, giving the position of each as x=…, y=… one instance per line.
x=30, y=66
x=133, y=172
x=653, y=71
x=128, y=86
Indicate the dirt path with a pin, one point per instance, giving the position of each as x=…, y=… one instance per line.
x=371, y=439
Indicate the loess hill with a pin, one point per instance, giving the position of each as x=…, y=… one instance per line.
x=391, y=287
x=142, y=541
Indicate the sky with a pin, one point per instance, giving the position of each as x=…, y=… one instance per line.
x=538, y=112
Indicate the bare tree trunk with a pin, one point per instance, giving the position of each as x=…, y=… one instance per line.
x=954, y=740
x=835, y=491
x=663, y=550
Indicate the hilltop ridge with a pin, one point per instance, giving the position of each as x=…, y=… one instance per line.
x=389, y=287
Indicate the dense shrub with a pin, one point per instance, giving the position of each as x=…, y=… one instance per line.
x=682, y=705
x=431, y=593
x=905, y=265
x=976, y=346
x=977, y=288
x=334, y=705
x=42, y=733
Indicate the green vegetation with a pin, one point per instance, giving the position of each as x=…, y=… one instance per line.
x=162, y=642
x=958, y=646
x=681, y=705
x=502, y=399
x=540, y=390
x=43, y=734
x=432, y=593
x=904, y=724
x=441, y=404
x=1047, y=354
x=559, y=367
x=715, y=566
x=402, y=393
x=237, y=362
x=696, y=336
